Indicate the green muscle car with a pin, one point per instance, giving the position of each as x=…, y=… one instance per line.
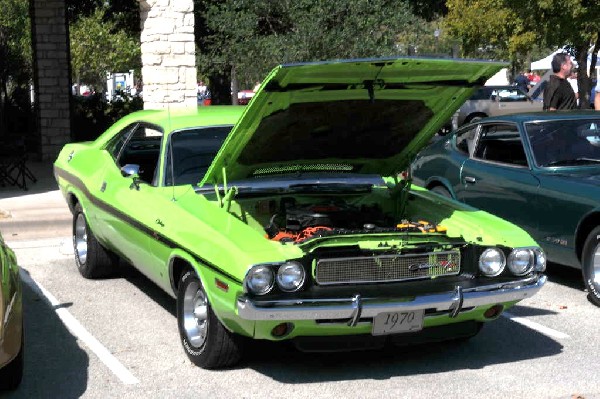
x=293, y=219
x=11, y=320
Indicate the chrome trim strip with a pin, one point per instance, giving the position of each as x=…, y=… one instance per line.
x=347, y=308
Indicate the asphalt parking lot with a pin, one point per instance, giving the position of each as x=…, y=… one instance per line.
x=118, y=338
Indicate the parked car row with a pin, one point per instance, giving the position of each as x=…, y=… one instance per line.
x=540, y=171
x=292, y=219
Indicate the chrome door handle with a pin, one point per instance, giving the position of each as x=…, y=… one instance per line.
x=469, y=179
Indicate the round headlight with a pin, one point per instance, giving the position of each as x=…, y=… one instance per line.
x=259, y=280
x=290, y=276
x=540, y=260
x=492, y=262
x=520, y=261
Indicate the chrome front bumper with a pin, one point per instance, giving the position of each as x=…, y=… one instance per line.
x=354, y=308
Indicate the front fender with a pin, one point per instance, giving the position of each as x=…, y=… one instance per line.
x=222, y=300
x=440, y=181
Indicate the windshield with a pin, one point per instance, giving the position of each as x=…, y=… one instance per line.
x=565, y=142
x=193, y=151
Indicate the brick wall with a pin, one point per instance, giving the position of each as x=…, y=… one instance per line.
x=168, y=53
x=51, y=75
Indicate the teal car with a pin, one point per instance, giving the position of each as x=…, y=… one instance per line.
x=291, y=218
x=540, y=171
x=11, y=320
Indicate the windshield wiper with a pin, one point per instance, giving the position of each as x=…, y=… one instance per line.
x=576, y=161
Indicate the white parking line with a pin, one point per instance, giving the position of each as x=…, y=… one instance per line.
x=81, y=333
x=536, y=326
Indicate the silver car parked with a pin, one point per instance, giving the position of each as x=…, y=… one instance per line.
x=494, y=101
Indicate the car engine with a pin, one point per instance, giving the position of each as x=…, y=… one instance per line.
x=296, y=223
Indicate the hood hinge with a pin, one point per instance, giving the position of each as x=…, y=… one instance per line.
x=400, y=192
x=229, y=193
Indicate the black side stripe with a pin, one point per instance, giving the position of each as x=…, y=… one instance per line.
x=153, y=234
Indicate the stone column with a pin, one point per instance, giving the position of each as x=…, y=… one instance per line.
x=52, y=80
x=168, y=53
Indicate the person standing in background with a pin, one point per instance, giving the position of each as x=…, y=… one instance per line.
x=558, y=93
x=522, y=82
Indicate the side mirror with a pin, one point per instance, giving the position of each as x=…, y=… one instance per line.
x=133, y=171
x=130, y=170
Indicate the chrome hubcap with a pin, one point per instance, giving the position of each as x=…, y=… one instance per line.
x=195, y=314
x=595, y=272
x=80, y=238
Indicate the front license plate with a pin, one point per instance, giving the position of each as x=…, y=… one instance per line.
x=398, y=322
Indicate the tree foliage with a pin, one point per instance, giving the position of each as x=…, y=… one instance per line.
x=430, y=10
x=98, y=46
x=124, y=13
x=251, y=36
x=511, y=28
x=15, y=55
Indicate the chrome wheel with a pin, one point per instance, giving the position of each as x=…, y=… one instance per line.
x=590, y=266
x=80, y=238
x=195, y=314
x=595, y=272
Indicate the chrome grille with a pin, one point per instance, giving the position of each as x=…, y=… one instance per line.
x=387, y=268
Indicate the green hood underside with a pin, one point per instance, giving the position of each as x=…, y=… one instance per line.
x=359, y=116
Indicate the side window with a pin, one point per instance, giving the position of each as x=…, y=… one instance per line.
x=142, y=148
x=481, y=94
x=465, y=140
x=511, y=95
x=501, y=143
x=115, y=146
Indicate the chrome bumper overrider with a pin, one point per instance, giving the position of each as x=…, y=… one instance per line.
x=352, y=309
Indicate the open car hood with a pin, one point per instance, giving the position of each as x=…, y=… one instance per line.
x=366, y=116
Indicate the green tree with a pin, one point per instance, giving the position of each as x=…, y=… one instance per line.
x=249, y=37
x=125, y=13
x=511, y=28
x=15, y=54
x=98, y=47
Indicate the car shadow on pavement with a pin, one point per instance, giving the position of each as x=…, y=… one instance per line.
x=501, y=341
x=528, y=311
x=565, y=275
x=55, y=365
x=147, y=286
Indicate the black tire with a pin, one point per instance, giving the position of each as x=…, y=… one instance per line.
x=206, y=342
x=590, y=266
x=441, y=190
x=12, y=374
x=92, y=259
